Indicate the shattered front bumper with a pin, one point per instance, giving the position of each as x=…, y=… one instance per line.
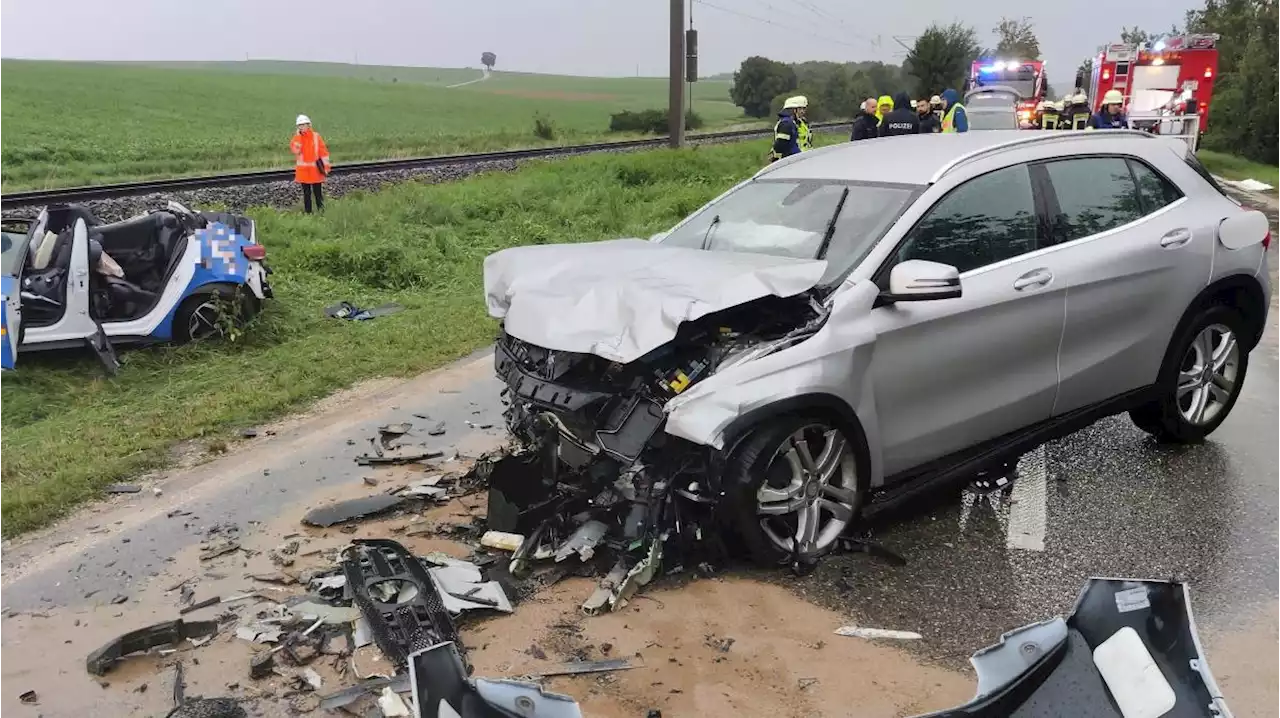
x=594, y=422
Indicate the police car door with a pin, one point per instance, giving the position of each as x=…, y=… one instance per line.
x=15, y=235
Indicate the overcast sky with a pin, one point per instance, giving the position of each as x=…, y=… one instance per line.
x=583, y=37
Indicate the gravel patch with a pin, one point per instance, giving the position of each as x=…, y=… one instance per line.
x=287, y=195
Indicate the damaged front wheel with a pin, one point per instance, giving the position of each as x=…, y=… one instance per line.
x=794, y=485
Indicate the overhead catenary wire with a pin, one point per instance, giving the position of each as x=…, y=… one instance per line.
x=815, y=16
x=774, y=23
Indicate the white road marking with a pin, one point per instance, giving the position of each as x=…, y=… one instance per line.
x=1027, y=515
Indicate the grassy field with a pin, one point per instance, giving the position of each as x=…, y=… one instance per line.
x=1238, y=168
x=69, y=124
x=68, y=431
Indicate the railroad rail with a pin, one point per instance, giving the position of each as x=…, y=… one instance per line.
x=11, y=200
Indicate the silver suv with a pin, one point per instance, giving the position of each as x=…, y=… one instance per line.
x=879, y=318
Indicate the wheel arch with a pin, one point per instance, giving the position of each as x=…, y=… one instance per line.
x=164, y=331
x=1242, y=292
x=828, y=406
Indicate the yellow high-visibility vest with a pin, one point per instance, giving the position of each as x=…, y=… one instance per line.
x=804, y=135
x=949, y=119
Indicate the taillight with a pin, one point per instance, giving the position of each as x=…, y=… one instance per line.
x=255, y=252
x=1266, y=241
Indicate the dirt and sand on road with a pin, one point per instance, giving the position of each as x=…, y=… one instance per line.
x=717, y=646
x=61, y=586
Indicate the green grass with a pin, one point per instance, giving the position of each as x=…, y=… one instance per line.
x=1238, y=168
x=68, y=124
x=68, y=431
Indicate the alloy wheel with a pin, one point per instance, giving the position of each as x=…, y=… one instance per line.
x=1208, y=375
x=810, y=492
x=204, y=321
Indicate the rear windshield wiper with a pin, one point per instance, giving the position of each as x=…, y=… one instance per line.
x=831, y=226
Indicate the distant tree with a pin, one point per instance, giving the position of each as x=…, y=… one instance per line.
x=488, y=59
x=1017, y=38
x=758, y=81
x=941, y=57
x=1246, y=98
x=1134, y=36
x=1084, y=76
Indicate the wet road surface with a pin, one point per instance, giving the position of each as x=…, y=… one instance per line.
x=1108, y=502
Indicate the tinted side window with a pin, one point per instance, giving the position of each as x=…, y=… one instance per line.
x=1155, y=191
x=983, y=221
x=1094, y=194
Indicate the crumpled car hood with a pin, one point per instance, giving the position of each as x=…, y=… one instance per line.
x=623, y=298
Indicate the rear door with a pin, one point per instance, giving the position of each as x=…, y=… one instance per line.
x=15, y=237
x=1131, y=253
x=950, y=374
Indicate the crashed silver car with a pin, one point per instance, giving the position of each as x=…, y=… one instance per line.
x=863, y=323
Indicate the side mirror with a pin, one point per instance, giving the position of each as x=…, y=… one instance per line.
x=917, y=280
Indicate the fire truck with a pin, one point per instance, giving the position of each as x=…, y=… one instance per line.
x=1170, y=77
x=1024, y=77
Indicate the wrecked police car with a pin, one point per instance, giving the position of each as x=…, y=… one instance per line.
x=858, y=325
x=168, y=275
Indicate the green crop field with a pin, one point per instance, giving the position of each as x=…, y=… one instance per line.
x=418, y=244
x=68, y=124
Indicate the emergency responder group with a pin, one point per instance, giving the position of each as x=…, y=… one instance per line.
x=898, y=115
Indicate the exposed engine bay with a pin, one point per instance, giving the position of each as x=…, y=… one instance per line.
x=591, y=463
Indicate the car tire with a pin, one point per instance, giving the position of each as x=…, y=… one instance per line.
x=202, y=309
x=761, y=468
x=1194, y=398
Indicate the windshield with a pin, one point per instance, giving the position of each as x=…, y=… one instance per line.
x=991, y=99
x=993, y=120
x=788, y=218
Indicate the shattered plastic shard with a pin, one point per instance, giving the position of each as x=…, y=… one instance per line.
x=161, y=634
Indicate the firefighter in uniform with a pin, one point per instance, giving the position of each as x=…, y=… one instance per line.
x=1078, y=112
x=787, y=133
x=1111, y=116
x=1049, y=116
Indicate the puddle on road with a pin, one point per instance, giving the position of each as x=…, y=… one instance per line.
x=783, y=646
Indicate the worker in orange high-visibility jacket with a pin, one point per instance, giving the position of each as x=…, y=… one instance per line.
x=311, y=163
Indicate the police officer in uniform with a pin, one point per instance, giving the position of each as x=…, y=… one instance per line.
x=902, y=120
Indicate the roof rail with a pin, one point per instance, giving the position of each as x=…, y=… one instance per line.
x=1034, y=137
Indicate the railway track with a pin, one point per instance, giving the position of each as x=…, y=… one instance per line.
x=12, y=200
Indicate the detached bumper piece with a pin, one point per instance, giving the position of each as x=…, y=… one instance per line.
x=441, y=689
x=1129, y=648
x=396, y=595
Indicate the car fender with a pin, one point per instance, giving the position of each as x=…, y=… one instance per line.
x=215, y=251
x=827, y=370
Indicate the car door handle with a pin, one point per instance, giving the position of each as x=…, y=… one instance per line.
x=1034, y=278
x=1176, y=238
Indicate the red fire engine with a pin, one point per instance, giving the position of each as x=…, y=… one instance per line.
x=1170, y=76
x=1025, y=77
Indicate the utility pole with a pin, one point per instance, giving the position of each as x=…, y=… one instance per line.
x=675, y=104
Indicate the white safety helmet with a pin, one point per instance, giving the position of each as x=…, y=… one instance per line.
x=1113, y=97
x=303, y=120
x=1080, y=98
x=936, y=101
x=1041, y=106
x=794, y=102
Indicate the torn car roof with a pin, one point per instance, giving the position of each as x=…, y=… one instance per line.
x=623, y=298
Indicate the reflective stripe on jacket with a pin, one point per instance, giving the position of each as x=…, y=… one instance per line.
x=307, y=147
x=786, y=136
x=1049, y=121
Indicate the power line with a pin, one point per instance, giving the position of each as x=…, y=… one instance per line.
x=774, y=24
x=814, y=8
x=814, y=16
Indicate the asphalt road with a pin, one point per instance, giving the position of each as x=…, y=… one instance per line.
x=1108, y=502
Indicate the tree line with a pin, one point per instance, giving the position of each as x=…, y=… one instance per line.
x=941, y=58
